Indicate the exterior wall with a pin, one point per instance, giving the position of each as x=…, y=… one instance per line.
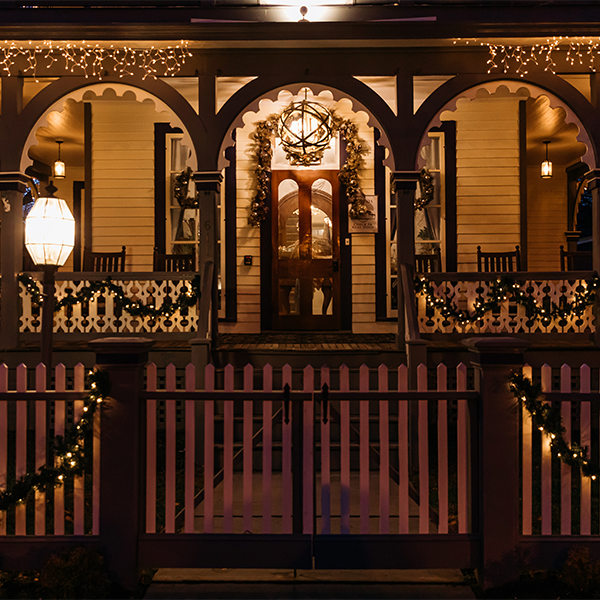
x=123, y=179
x=547, y=218
x=487, y=162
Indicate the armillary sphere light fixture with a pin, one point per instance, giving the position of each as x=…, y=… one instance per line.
x=59, y=170
x=546, y=165
x=305, y=130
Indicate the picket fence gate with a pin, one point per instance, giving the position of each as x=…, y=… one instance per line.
x=264, y=472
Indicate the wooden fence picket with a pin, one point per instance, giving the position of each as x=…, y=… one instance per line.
x=209, y=451
x=546, y=463
x=248, y=450
x=267, y=464
x=151, y=377
x=190, y=450
x=228, y=417
x=308, y=414
x=586, y=441
x=565, y=470
x=325, y=457
x=462, y=451
x=442, y=422
x=384, y=453
x=364, y=471
x=40, y=448
x=403, y=456
x=170, y=449
x=423, y=450
x=286, y=457
x=527, y=465
x=344, y=453
x=78, y=481
x=21, y=447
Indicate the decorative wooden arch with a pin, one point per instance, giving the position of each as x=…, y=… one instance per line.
x=14, y=130
x=453, y=88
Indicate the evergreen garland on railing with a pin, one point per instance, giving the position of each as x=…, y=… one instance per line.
x=548, y=420
x=66, y=455
x=501, y=290
x=185, y=299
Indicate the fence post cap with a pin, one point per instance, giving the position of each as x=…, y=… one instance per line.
x=130, y=350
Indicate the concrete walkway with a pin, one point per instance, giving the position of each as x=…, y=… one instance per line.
x=283, y=584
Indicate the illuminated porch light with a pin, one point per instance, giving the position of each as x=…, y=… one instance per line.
x=58, y=169
x=50, y=232
x=546, y=165
x=307, y=3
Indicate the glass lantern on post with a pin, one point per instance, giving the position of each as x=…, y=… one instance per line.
x=49, y=239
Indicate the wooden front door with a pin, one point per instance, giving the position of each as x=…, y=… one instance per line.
x=306, y=249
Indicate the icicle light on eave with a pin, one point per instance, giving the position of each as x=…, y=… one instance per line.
x=91, y=59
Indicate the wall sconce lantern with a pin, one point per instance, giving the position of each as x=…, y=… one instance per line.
x=49, y=239
x=59, y=170
x=546, y=165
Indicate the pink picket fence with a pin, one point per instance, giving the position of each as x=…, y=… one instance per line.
x=556, y=498
x=322, y=458
x=30, y=415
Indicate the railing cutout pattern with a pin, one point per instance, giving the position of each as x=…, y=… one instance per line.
x=512, y=317
x=100, y=315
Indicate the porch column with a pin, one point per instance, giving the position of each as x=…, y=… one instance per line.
x=593, y=178
x=495, y=359
x=121, y=457
x=208, y=185
x=12, y=187
x=404, y=184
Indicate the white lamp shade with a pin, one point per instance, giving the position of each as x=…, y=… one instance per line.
x=50, y=232
x=546, y=169
x=59, y=169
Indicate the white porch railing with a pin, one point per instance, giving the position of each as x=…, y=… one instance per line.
x=102, y=315
x=466, y=289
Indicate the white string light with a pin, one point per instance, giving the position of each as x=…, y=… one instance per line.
x=579, y=52
x=91, y=59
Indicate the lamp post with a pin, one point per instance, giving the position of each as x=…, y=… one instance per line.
x=49, y=239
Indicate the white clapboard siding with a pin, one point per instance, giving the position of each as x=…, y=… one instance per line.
x=546, y=210
x=487, y=170
x=123, y=179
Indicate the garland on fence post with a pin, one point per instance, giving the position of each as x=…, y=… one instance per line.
x=549, y=421
x=67, y=453
x=186, y=298
x=499, y=291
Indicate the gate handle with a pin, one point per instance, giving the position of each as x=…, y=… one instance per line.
x=325, y=398
x=336, y=265
x=286, y=403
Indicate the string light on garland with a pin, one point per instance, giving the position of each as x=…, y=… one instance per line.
x=91, y=59
x=266, y=130
x=581, y=52
x=187, y=298
x=547, y=419
x=67, y=452
x=501, y=290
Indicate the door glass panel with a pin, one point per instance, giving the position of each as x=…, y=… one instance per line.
x=320, y=214
x=322, y=296
x=289, y=220
x=289, y=296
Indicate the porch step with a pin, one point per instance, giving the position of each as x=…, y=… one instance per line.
x=315, y=348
